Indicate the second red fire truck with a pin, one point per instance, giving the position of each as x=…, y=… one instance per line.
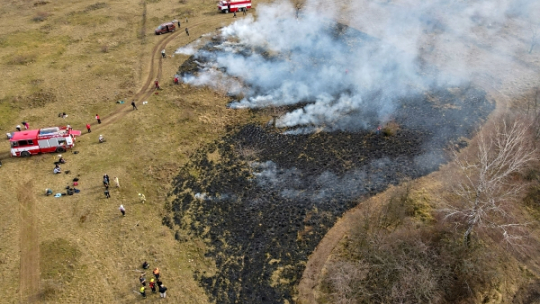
x=234, y=6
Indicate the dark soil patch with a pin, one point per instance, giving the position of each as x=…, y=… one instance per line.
x=262, y=213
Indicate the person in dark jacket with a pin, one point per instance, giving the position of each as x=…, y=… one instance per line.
x=162, y=291
x=133, y=105
x=187, y=32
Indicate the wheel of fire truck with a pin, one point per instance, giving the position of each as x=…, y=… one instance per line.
x=25, y=154
x=60, y=150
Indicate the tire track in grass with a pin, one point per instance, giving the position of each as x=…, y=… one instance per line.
x=29, y=278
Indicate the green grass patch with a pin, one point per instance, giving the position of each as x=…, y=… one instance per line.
x=33, y=46
x=103, y=70
x=8, y=113
x=85, y=19
x=95, y=6
x=59, y=259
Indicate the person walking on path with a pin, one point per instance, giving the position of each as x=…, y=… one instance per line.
x=123, y=210
x=107, y=194
x=143, y=291
x=152, y=285
x=142, y=279
x=143, y=199
x=133, y=105
x=178, y=23
x=98, y=119
x=163, y=53
x=88, y=128
x=187, y=32
x=156, y=272
x=234, y=15
x=156, y=83
x=162, y=291
x=117, y=182
x=244, y=11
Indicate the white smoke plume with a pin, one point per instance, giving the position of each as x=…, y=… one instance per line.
x=341, y=79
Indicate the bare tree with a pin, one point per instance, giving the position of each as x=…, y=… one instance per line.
x=486, y=188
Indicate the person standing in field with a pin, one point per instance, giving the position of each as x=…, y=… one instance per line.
x=162, y=291
x=143, y=291
x=152, y=285
x=156, y=83
x=123, y=210
x=178, y=23
x=98, y=119
x=18, y=127
x=187, y=32
x=133, y=105
x=26, y=126
x=142, y=279
x=107, y=194
x=88, y=128
x=143, y=200
x=156, y=272
x=117, y=182
x=163, y=53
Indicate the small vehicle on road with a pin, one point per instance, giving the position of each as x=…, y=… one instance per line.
x=165, y=28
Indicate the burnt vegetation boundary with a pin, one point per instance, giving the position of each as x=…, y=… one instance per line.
x=262, y=200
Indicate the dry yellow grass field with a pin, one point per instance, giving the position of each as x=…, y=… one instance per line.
x=80, y=58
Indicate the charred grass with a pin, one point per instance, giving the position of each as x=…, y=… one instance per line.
x=262, y=200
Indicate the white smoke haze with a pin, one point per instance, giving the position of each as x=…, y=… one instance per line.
x=346, y=80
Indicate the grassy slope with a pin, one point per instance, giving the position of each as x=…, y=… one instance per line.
x=88, y=252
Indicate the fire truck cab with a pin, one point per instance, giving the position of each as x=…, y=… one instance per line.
x=227, y=6
x=55, y=139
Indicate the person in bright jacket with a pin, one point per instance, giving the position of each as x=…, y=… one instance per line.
x=143, y=291
x=152, y=285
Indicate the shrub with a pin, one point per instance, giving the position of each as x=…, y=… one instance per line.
x=40, y=17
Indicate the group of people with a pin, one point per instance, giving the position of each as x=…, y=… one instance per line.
x=106, y=183
x=57, y=168
x=25, y=124
x=154, y=282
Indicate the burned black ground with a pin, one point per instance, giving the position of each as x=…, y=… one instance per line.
x=262, y=200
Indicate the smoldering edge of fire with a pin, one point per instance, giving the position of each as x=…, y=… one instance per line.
x=345, y=80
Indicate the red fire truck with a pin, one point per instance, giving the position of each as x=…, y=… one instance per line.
x=55, y=139
x=226, y=6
